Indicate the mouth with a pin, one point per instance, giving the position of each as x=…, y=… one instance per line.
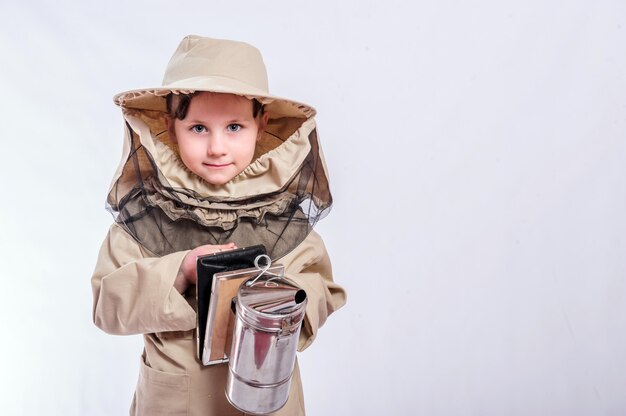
x=216, y=165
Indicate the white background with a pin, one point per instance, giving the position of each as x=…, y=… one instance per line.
x=477, y=154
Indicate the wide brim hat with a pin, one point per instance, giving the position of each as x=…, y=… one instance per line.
x=214, y=65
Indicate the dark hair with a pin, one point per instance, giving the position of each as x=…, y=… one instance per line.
x=178, y=105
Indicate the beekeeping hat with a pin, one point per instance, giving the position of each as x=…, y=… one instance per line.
x=215, y=65
x=275, y=201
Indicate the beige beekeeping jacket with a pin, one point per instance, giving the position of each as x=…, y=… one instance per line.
x=134, y=290
x=134, y=294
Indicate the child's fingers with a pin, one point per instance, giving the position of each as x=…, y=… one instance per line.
x=210, y=248
x=188, y=267
x=222, y=247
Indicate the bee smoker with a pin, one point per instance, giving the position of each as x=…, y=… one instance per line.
x=269, y=314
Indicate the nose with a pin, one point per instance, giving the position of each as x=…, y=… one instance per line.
x=216, y=145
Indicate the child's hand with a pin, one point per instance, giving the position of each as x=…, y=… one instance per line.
x=187, y=274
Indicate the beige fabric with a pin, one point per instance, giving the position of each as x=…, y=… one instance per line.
x=134, y=294
x=218, y=65
x=268, y=173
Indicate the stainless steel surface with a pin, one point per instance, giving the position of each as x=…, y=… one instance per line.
x=265, y=338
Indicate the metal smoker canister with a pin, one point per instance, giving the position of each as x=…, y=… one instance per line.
x=265, y=338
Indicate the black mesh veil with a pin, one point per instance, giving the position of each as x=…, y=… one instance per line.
x=166, y=215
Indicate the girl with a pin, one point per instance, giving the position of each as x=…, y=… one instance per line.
x=211, y=161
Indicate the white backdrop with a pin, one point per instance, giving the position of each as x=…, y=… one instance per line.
x=477, y=155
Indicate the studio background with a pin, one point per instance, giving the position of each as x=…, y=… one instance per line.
x=477, y=158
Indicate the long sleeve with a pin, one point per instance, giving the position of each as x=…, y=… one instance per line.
x=309, y=266
x=133, y=294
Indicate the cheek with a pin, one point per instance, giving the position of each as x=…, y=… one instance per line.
x=250, y=148
x=188, y=149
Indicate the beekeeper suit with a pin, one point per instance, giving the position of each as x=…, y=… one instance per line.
x=162, y=210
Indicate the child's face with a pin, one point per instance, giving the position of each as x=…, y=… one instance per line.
x=217, y=138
